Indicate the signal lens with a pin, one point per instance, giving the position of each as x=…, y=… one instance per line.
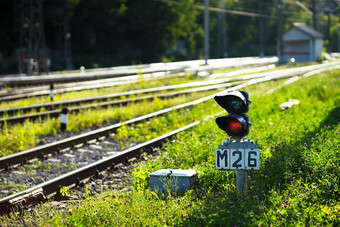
x=236, y=104
x=234, y=126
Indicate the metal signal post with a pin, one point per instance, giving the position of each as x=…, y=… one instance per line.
x=237, y=153
x=206, y=31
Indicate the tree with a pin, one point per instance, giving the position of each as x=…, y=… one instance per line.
x=138, y=30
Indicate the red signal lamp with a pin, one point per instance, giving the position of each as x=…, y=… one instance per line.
x=235, y=125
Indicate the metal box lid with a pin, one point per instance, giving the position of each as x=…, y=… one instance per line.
x=174, y=173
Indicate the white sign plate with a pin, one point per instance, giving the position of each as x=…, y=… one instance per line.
x=237, y=159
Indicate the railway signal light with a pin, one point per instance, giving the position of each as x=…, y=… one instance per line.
x=241, y=156
x=236, y=103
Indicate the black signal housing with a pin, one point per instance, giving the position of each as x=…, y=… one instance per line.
x=236, y=103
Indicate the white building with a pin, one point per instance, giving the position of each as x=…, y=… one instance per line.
x=302, y=43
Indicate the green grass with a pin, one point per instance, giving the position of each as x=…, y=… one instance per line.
x=24, y=136
x=298, y=183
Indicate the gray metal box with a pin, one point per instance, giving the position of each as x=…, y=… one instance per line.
x=175, y=180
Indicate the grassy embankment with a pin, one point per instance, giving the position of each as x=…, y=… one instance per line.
x=24, y=136
x=29, y=134
x=298, y=183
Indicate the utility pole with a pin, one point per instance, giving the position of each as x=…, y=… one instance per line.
x=328, y=11
x=221, y=31
x=279, y=29
x=260, y=5
x=338, y=39
x=316, y=14
x=206, y=31
x=67, y=46
x=33, y=51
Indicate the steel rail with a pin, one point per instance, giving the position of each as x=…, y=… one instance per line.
x=81, y=86
x=78, y=71
x=121, y=102
x=38, y=193
x=47, y=79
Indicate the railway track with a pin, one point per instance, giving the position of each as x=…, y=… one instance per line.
x=121, y=102
x=151, y=68
x=23, y=156
x=20, y=157
x=54, y=105
x=102, y=98
x=12, y=95
x=86, y=76
x=38, y=193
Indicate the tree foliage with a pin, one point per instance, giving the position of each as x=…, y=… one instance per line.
x=139, y=30
x=110, y=32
